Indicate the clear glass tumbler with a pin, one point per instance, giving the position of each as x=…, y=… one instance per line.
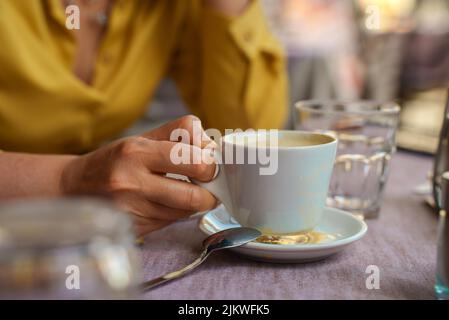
x=366, y=140
x=442, y=270
x=66, y=249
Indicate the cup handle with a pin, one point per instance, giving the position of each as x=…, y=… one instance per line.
x=218, y=186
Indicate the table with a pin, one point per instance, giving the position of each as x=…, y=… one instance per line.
x=401, y=243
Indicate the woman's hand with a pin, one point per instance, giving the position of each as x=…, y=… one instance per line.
x=132, y=172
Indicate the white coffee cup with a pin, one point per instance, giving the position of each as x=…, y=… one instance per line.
x=277, y=198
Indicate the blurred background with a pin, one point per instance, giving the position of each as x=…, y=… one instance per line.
x=356, y=49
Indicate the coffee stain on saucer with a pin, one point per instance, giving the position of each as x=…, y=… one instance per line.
x=309, y=237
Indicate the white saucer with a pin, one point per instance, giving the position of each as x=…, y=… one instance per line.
x=343, y=226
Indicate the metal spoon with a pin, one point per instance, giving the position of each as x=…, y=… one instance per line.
x=225, y=239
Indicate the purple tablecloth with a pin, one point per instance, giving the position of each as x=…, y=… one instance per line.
x=401, y=243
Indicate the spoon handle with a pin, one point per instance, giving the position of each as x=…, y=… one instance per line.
x=148, y=285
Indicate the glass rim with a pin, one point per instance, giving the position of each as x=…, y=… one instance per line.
x=391, y=107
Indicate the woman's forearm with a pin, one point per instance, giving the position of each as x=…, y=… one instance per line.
x=30, y=175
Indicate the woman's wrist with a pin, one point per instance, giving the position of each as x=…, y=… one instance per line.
x=67, y=176
x=49, y=182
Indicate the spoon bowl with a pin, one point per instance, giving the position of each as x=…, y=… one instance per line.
x=230, y=238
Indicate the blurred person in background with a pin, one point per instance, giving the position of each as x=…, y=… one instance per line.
x=321, y=39
x=65, y=92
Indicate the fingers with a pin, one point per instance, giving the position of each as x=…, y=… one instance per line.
x=167, y=192
x=145, y=210
x=148, y=216
x=168, y=157
x=187, y=129
x=179, y=194
x=179, y=158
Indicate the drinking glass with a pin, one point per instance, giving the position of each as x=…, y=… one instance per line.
x=366, y=141
x=441, y=163
x=66, y=249
x=442, y=270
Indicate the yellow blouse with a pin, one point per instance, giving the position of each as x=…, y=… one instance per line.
x=230, y=71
